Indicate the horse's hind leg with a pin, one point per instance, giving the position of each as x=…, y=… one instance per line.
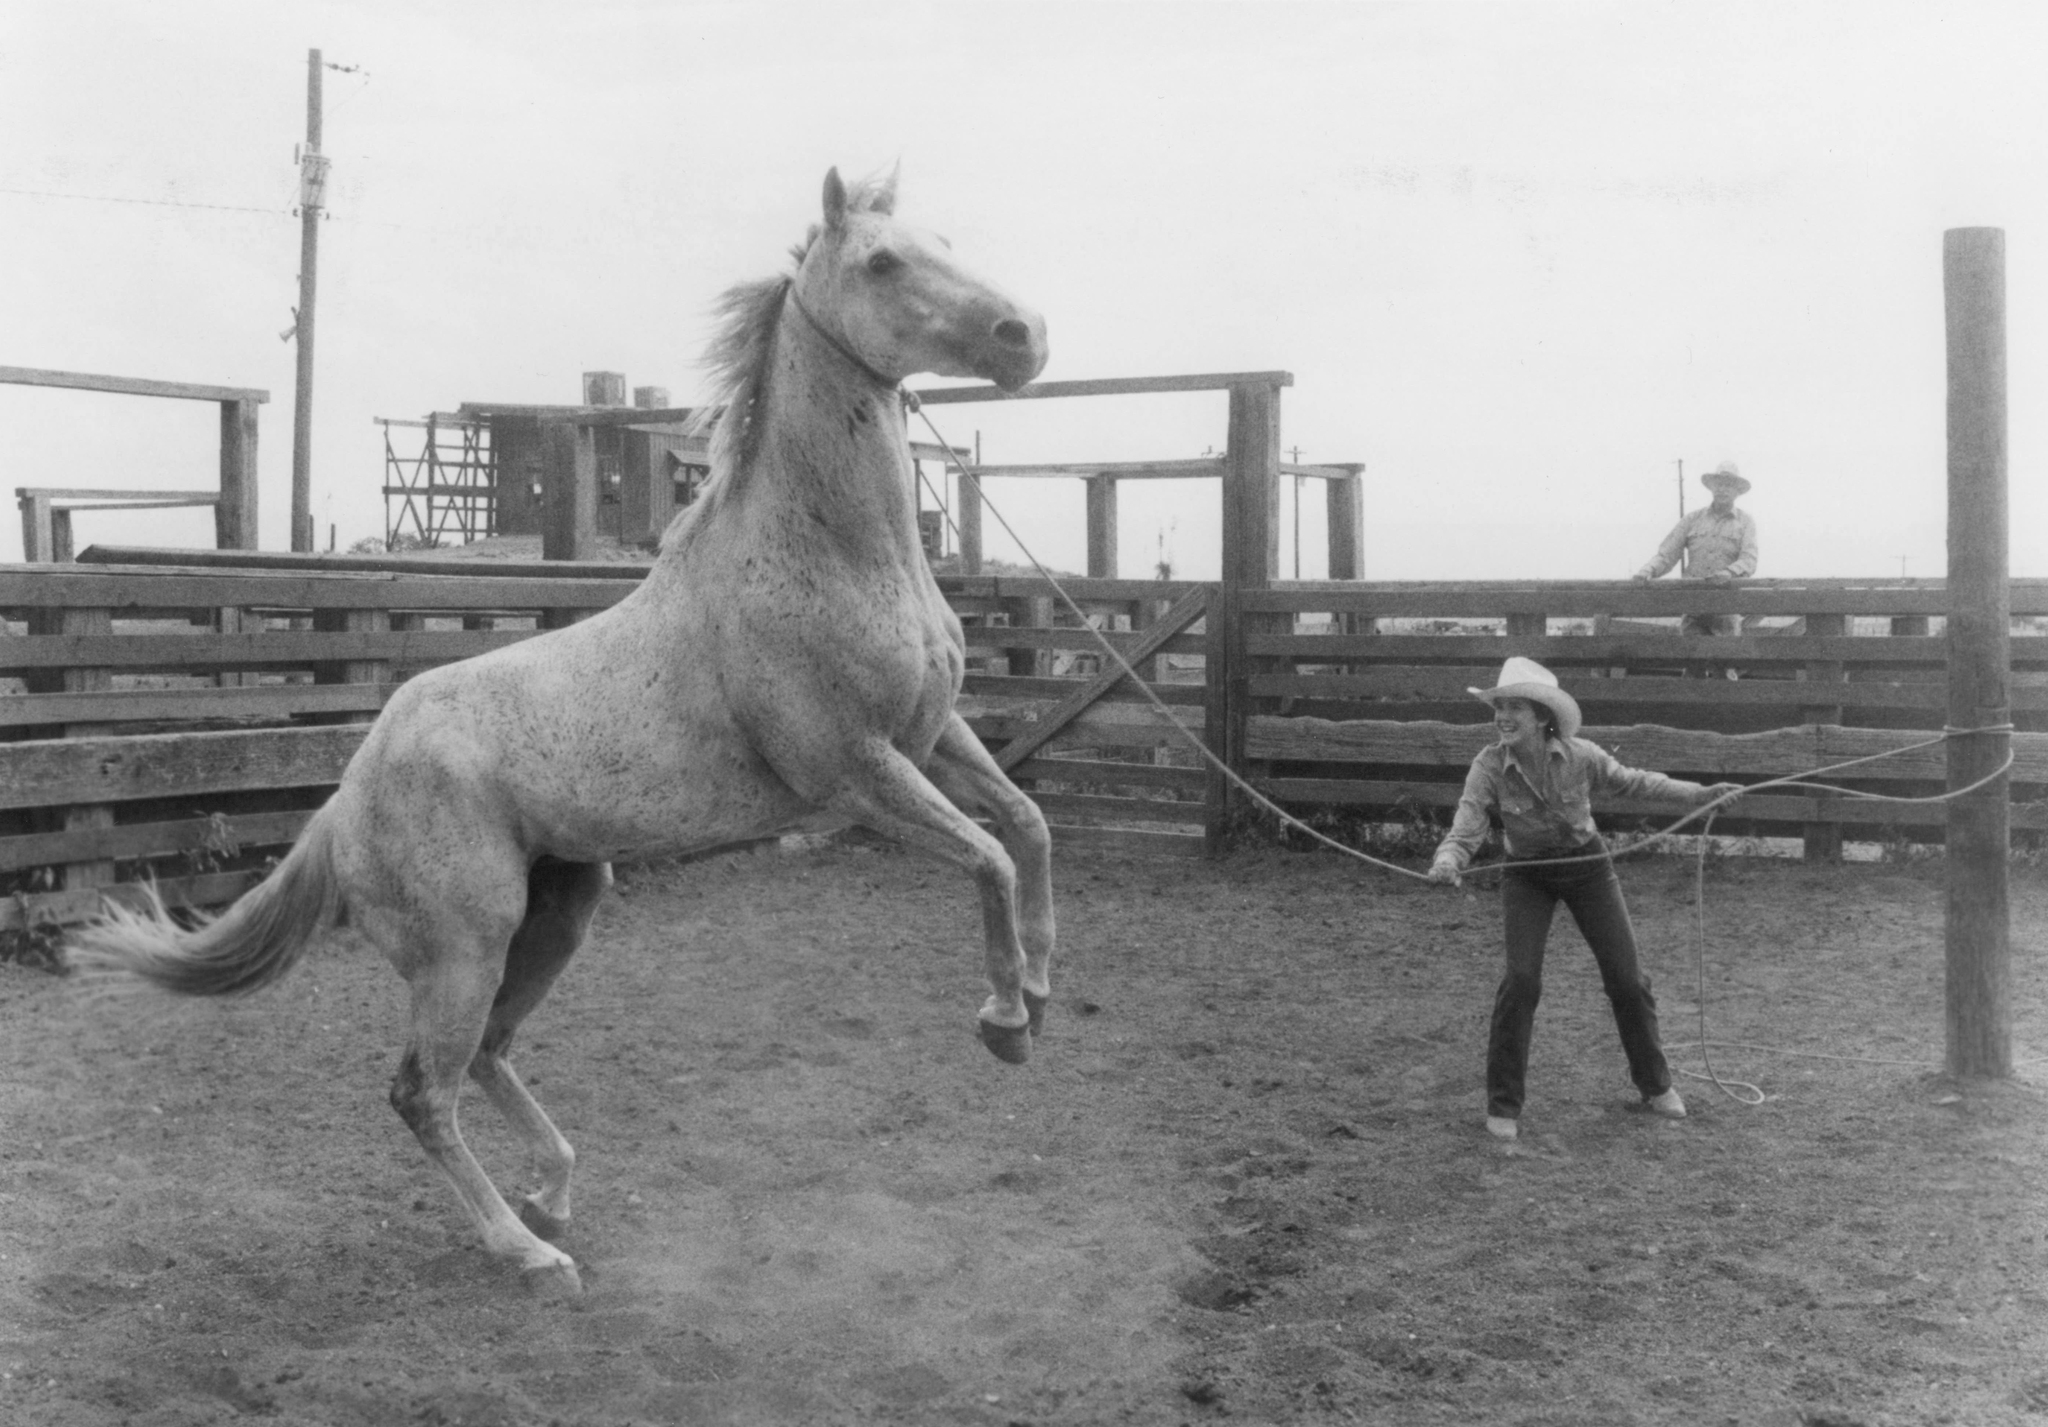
x=561, y=897
x=455, y=968
x=966, y=772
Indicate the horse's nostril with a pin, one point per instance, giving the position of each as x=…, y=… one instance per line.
x=1013, y=333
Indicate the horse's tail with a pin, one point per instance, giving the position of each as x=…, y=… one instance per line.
x=250, y=945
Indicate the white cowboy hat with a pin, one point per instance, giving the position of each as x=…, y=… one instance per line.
x=1726, y=474
x=1526, y=679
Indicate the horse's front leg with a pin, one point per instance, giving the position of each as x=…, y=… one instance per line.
x=967, y=772
x=886, y=792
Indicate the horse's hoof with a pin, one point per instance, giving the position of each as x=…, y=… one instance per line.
x=543, y=1224
x=1010, y=1044
x=557, y=1280
x=1035, y=1004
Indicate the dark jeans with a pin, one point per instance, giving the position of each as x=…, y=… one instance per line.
x=1529, y=896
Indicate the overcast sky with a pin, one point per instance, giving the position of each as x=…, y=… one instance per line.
x=1522, y=259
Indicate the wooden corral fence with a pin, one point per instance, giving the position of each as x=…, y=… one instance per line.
x=46, y=511
x=185, y=720
x=1356, y=693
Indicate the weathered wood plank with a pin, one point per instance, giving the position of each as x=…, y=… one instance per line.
x=1085, y=807
x=1072, y=638
x=1564, y=650
x=203, y=649
x=1102, y=772
x=1772, y=754
x=274, y=701
x=33, y=909
x=1185, y=611
x=1411, y=684
x=1104, y=386
x=1626, y=598
x=1194, y=469
x=69, y=494
x=1085, y=733
x=51, y=773
x=129, y=386
x=310, y=563
x=130, y=840
x=49, y=587
x=1084, y=591
x=1029, y=686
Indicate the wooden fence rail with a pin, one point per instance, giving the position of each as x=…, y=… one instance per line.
x=185, y=721
x=1361, y=703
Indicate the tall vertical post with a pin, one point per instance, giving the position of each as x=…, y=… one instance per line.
x=1979, y=961
x=234, y=515
x=568, y=520
x=1344, y=496
x=1251, y=559
x=312, y=198
x=1101, y=527
x=967, y=510
x=38, y=533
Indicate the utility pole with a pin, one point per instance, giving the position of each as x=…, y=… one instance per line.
x=1681, y=513
x=312, y=200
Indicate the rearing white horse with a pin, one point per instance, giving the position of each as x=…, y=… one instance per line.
x=788, y=663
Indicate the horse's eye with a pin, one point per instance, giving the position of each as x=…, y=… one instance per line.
x=882, y=262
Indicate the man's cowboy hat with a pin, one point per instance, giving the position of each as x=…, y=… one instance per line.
x=1526, y=679
x=1725, y=476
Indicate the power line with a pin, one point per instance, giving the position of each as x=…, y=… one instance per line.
x=153, y=202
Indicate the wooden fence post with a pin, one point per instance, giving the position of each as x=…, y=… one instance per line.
x=1346, y=503
x=38, y=544
x=968, y=513
x=1251, y=559
x=1101, y=527
x=1822, y=841
x=77, y=681
x=1525, y=625
x=234, y=516
x=352, y=671
x=230, y=619
x=568, y=529
x=1027, y=612
x=1216, y=792
x=1978, y=928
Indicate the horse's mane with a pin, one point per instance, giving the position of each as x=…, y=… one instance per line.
x=738, y=356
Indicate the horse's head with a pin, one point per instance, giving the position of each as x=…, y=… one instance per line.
x=894, y=298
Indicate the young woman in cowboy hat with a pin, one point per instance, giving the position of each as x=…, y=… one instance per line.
x=1540, y=778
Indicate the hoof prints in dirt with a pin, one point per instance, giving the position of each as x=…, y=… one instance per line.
x=1246, y=1267
x=1215, y=1291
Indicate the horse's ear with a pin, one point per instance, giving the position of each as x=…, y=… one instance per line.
x=884, y=200
x=835, y=200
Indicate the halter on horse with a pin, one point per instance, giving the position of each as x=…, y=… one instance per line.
x=788, y=664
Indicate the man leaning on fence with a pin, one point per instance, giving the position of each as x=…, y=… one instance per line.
x=1716, y=543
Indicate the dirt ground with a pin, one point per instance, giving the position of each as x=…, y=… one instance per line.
x=1244, y=1178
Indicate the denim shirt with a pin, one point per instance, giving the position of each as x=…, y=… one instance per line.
x=1557, y=816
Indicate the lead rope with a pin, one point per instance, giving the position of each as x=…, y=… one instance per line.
x=1708, y=810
